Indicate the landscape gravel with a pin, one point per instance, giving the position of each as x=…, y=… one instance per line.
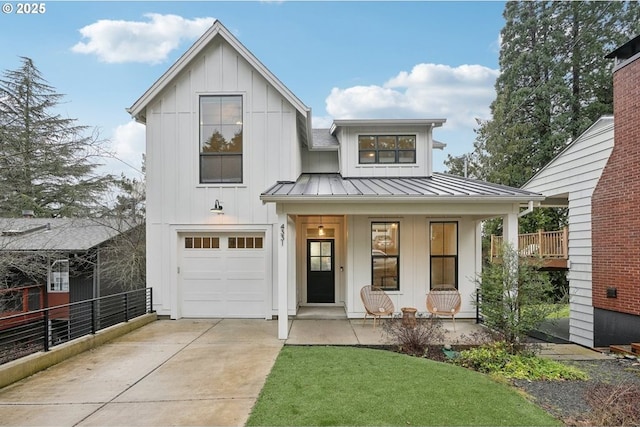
x=566, y=399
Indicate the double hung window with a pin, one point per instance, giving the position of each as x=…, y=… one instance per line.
x=444, y=255
x=385, y=255
x=220, y=139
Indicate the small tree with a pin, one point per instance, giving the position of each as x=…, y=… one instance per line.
x=515, y=297
x=124, y=258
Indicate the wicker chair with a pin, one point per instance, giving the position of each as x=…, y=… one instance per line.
x=444, y=302
x=376, y=303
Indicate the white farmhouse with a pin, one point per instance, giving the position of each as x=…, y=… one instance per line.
x=251, y=213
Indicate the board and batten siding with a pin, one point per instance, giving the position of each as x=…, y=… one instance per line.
x=349, y=156
x=414, y=262
x=573, y=176
x=271, y=152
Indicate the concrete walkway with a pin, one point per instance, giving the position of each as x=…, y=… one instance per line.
x=186, y=372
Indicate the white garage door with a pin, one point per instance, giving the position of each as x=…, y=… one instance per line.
x=223, y=275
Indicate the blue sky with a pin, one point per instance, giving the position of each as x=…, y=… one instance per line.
x=360, y=59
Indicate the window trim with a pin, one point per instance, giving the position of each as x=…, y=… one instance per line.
x=397, y=151
x=195, y=241
x=455, y=257
x=201, y=155
x=59, y=280
x=386, y=256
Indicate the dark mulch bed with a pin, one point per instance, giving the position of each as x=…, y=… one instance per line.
x=567, y=400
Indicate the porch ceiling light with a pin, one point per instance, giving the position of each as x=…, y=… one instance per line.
x=217, y=208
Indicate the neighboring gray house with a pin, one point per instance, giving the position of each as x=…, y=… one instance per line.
x=69, y=244
x=569, y=181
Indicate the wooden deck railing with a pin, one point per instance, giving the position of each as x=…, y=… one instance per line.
x=544, y=244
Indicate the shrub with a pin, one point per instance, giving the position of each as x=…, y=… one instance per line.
x=515, y=297
x=614, y=404
x=495, y=359
x=415, y=341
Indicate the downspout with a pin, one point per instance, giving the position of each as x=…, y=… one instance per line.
x=526, y=211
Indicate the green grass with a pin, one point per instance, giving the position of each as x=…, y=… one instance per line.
x=326, y=386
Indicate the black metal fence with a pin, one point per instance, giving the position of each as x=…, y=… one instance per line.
x=479, y=316
x=39, y=330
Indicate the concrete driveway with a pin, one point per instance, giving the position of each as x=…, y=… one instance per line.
x=170, y=372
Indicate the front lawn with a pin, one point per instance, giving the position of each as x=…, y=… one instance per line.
x=327, y=386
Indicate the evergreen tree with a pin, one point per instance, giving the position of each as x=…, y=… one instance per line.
x=45, y=160
x=554, y=83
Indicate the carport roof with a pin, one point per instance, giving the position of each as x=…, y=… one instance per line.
x=440, y=187
x=62, y=234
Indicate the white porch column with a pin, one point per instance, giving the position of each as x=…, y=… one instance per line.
x=510, y=229
x=283, y=277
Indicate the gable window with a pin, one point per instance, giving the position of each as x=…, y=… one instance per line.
x=386, y=149
x=220, y=139
x=385, y=255
x=444, y=255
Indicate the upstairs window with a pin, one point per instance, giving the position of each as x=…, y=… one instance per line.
x=386, y=149
x=220, y=139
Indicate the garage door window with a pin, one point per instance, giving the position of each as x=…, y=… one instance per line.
x=245, y=242
x=198, y=242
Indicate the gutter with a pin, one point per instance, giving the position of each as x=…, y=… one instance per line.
x=381, y=199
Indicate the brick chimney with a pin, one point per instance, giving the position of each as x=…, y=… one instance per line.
x=615, y=212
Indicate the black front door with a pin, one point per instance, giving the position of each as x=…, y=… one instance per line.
x=320, y=271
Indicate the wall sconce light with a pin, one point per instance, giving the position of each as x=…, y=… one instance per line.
x=217, y=208
x=321, y=230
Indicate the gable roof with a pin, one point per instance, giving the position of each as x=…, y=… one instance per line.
x=627, y=50
x=602, y=122
x=60, y=234
x=137, y=110
x=441, y=187
x=323, y=139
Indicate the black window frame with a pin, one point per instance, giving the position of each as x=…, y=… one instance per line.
x=377, y=258
x=433, y=257
x=234, y=159
x=378, y=153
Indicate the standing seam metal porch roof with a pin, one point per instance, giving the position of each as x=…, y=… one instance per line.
x=439, y=187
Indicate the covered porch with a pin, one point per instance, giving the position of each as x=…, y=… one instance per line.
x=420, y=233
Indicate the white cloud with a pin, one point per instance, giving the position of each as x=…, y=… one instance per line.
x=321, y=122
x=136, y=41
x=458, y=94
x=128, y=145
x=497, y=45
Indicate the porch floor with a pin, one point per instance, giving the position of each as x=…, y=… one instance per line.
x=330, y=326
